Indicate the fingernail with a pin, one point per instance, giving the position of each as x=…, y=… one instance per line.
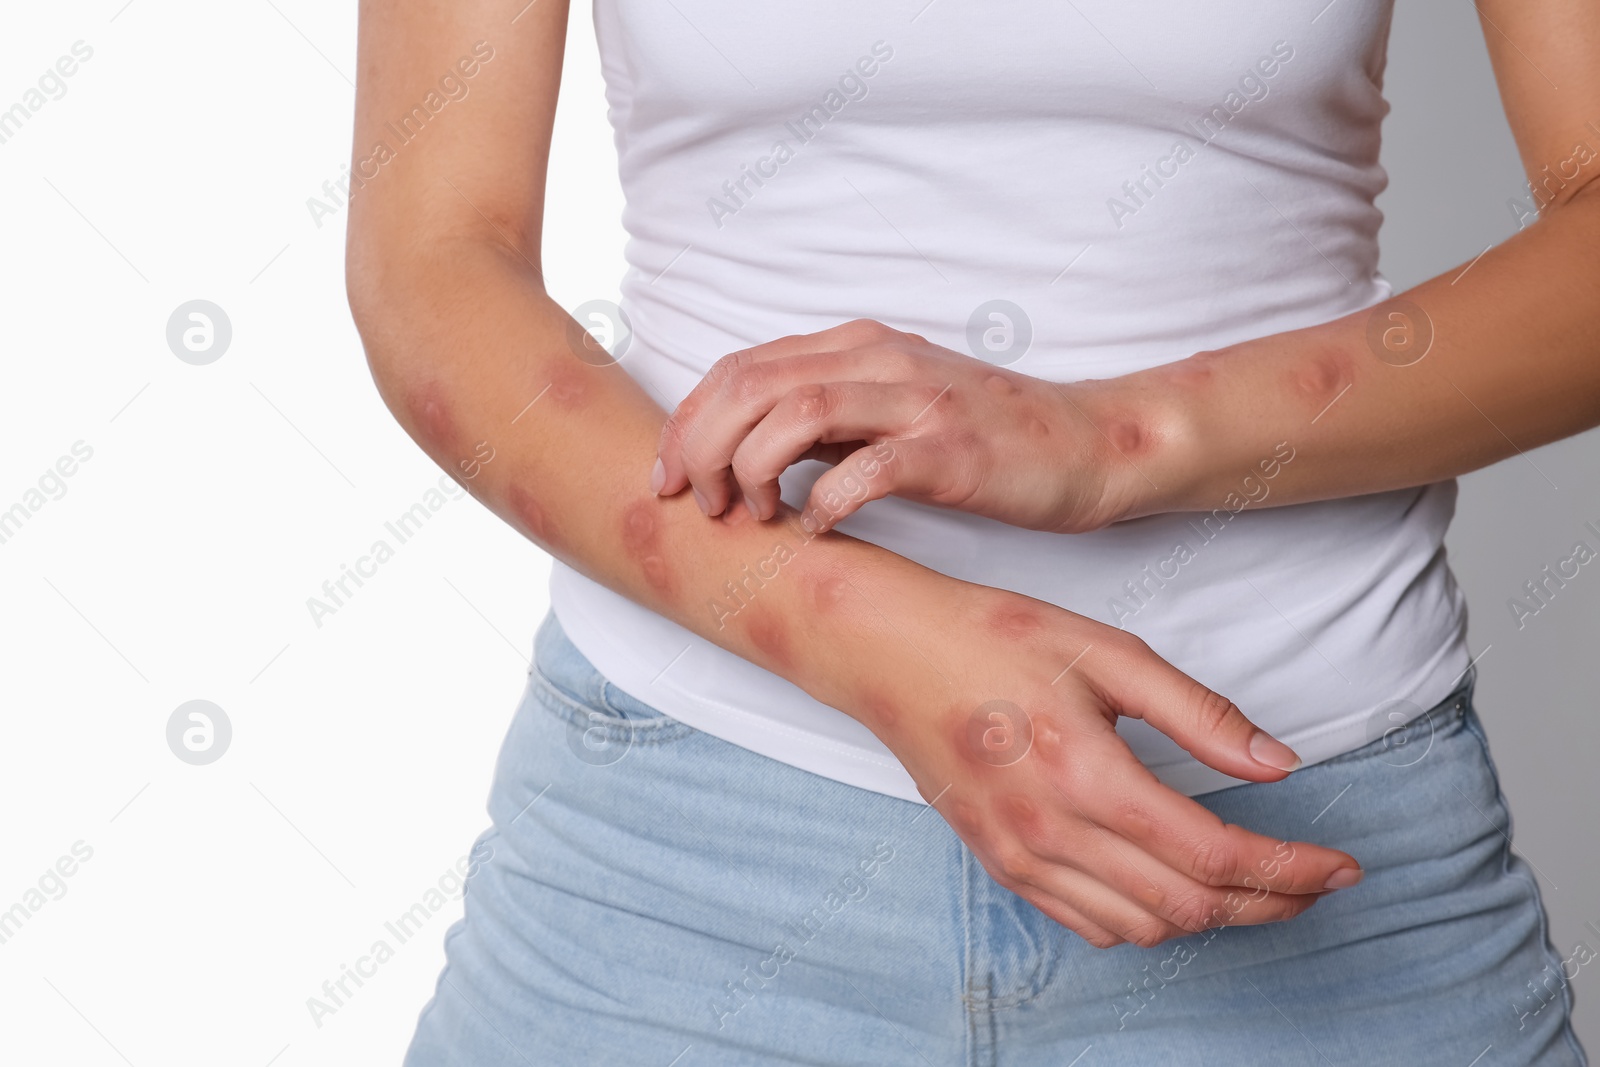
x=1265, y=748
x=705, y=505
x=658, y=476
x=1344, y=878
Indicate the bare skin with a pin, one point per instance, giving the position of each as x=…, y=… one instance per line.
x=467, y=349
x=1491, y=358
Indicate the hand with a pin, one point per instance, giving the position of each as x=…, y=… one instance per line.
x=963, y=433
x=1021, y=757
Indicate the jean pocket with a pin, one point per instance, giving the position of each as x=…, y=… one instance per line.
x=603, y=723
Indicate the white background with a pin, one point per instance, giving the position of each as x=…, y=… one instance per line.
x=178, y=563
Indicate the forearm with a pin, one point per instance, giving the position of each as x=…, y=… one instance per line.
x=1513, y=363
x=476, y=364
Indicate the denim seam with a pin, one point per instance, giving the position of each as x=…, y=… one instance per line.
x=577, y=712
x=1545, y=947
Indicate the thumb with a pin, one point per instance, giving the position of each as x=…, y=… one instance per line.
x=1206, y=724
x=869, y=473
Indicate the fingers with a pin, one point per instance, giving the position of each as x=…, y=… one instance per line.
x=699, y=439
x=1208, y=726
x=1116, y=791
x=811, y=415
x=1070, y=917
x=1145, y=904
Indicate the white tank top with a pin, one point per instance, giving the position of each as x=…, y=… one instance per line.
x=1143, y=181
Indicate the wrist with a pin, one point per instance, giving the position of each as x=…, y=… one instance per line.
x=1141, y=434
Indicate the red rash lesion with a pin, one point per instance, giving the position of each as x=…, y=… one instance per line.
x=1022, y=811
x=770, y=637
x=1048, y=744
x=1014, y=623
x=1127, y=436
x=960, y=735
x=568, y=389
x=828, y=592
x=429, y=408
x=641, y=537
x=533, y=518
x=880, y=710
x=1193, y=373
x=1320, y=378
x=1000, y=385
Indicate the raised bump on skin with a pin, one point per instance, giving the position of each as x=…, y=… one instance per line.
x=1194, y=371
x=641, y=536
x=1012, y=623
x=770, y=637
x=535, y=521
x=881, y=710
x=430, y=411
x=1046, y=741
x=829, y=592
x=1320, y=378
x=1127, y=436
x=568, y=389
x=999, y=383
x=1023, y=812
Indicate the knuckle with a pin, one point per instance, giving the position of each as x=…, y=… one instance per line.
x=892, y=361
x=1214, y=861
x=672, y=430
x=747, y=386
x=869, y=329
x=1148, y=933
x=1016, y=866
x=1099, y=938
x=812, y=404
x=1190, y=912
x=1211, y=710
x=729, y=365
x=1134, y=645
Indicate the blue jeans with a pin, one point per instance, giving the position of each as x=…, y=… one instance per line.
x=649, y=894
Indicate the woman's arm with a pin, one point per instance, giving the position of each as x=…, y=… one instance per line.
x=1492, y=358
x=483, y=370
x=1512, y=356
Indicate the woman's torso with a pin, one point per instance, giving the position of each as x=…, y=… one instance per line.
x=1142, y=182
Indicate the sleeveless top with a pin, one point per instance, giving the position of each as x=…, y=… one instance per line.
x=1076, y=190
